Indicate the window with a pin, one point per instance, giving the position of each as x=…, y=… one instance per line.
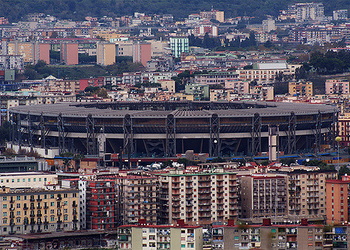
x=52, y=203
x=65, y=217
x=4, y=205
x=18, y=205
x=18, y=198
x=52, y=218
x=4, y=214
x=18, y=213
x=4, y=198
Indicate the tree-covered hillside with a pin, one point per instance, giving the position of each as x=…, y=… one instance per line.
x=78, y=9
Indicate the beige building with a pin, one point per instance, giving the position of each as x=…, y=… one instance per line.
x=302, y=236
x=337, y=86
x=307, y=192
x=198, y=197
x=267, y=72
x=264, y=195
x=27, y=180
x=153, y=237
x=266, y=93
x=168, y=85
x=38, y=210
x=300, y=88
x=28, y=50
x=159, y=48
x=124, y=48
x=106, y=53
x=139, y=199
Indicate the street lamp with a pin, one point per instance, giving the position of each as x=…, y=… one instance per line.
x=338, y=139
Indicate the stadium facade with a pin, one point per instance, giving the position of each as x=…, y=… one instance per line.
x=165, y=129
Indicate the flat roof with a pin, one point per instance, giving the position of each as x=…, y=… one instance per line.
x=270, y=109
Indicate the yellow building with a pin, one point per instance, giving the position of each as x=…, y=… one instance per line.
x=38, y=210
x=25, y=49
x=300, y=88
x=106, y=53
x=168, y=85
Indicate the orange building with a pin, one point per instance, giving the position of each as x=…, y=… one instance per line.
x=337, y=201
x=69, y=53
x=142, y=52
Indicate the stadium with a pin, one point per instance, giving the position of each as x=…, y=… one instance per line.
x=166, y=129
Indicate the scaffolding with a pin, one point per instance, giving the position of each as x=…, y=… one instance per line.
x=215, y=141
x=291, y=135
x=91, y=144
x=128, y=136
x=256, y=134
x=61, y=134
x=170, y=145
x=317, y=132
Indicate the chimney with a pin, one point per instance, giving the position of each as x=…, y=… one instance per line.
x=304, y=222
x=266, y=222
x=142, y=222
x=231, y=222
x=181, y=222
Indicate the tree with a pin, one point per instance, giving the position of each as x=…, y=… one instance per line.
x=344, y=170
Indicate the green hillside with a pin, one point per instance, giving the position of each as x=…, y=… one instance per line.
x=78, y=9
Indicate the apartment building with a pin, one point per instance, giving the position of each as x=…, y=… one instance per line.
x=167, y=85
x=198, y=197
x=69, y=53
x=269, y=236
x=337, y=210
x=262, y=92
x=267, y=72
x=141, y=53
x=38, y=210
x=264, y=195
x=27, y=180
x=215, y=77
x=98, y=204
x=153, y=237
x=237, y=86
x=300, y=88
x=31, y=52
x=307, y=192
x=344, y=129
x=337, y=86
x=179, y=45
x=137, y=199
x=106, y=53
